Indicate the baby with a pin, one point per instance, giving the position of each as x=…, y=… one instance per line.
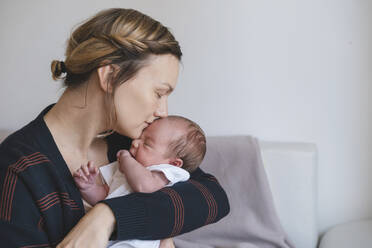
x=165, y=153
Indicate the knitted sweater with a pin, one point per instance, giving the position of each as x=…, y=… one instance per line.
x=40, y=202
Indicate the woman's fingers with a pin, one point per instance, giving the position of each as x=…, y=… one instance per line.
x=99, y=219
x=167, y=243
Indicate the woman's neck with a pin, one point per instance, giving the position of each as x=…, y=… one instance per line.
x=74, y=121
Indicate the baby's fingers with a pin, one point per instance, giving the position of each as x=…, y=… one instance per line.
x=85, y=170
x=76, y=174
x=81, y=174
x=92, y=169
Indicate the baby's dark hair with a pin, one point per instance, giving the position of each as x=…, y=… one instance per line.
x=191, y=146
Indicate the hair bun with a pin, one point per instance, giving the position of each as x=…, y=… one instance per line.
x=57, y=68
x=63, y=67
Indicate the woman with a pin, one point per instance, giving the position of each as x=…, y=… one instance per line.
x=120, y=68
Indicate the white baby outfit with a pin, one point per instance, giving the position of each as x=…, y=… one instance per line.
x=119, y=186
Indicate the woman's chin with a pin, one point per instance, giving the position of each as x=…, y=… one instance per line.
x=133, y=133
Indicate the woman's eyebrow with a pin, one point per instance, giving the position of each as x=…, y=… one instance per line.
x=170, y=88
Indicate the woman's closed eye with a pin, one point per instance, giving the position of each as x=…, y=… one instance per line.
x=158, y=95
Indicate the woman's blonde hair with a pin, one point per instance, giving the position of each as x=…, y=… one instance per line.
x=124, y=37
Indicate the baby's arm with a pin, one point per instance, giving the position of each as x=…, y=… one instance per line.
x=139, y=178
x=86, y=180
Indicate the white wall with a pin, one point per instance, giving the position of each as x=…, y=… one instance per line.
x=280, y=70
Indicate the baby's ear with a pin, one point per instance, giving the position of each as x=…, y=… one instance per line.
x=176, y=162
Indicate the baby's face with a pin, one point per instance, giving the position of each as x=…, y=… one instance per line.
x=152, y=146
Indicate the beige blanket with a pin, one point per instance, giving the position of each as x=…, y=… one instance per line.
x=252, y=221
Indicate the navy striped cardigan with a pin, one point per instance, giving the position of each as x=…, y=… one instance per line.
x=40, y=202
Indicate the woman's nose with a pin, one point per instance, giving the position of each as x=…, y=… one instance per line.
x=162, y=110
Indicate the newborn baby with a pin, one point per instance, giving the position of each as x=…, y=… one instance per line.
x=165, y=153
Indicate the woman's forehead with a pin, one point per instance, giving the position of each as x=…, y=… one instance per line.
x=163, y=69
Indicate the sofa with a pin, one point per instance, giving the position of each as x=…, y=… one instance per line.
x=356, y=234
x=291, y=170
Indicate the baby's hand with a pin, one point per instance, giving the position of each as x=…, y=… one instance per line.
x=124, y=158
x=85, y=176
x=123, y=154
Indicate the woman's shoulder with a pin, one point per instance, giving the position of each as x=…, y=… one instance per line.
x=33, y=138
x=17, y=144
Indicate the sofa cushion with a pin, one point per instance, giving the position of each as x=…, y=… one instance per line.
x=354, y=234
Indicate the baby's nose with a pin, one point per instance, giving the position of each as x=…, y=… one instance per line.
x=134, y=147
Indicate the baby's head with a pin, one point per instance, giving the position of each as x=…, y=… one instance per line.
x=172, y=140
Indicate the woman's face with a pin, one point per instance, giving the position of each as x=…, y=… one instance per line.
x=142, y=99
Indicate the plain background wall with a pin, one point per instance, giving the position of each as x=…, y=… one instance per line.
x=280, y=70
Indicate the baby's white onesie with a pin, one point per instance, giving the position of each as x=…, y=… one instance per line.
x=119, y=186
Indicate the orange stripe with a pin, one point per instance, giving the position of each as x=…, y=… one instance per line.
x=28, y=159
x=212, y=205
x=178, y=210
x=178, y=213
x=9, y=208
x=71, y=205
x=66, y=199
x=24, y=158
x=44, y=202
x=212, y=214
x=12, y=178
x=3, y=193
x=181, y=212
x=26, y=165
x=31, y=157
x=50, y=204
x=41, y=201
x=52, y=198
x=10, y=183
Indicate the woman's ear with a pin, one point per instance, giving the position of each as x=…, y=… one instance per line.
x=104, y=74
x=176, y=162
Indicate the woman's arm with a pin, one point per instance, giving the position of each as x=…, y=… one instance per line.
x=170, y=211
x=93, y=230
x=20, y=221
x=35, y=208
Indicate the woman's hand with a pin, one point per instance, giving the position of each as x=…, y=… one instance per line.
x=93, y=230
x=167, y=243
